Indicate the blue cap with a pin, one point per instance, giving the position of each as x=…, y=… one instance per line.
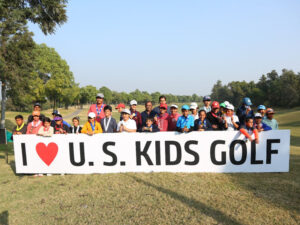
x=260, y=107
x=206, y=98
x=247, y=101
x=185, y=107
x=55, y=112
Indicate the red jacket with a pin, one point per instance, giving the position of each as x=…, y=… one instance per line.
x=137, y=118
x=163, y=122
x=173, y=121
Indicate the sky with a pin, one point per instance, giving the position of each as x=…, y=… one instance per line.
x=176, y=46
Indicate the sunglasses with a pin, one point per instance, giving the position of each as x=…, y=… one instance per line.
x=36, y=116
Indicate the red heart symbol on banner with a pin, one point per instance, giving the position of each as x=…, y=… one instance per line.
x=47, y=153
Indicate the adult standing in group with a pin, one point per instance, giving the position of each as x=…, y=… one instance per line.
x=98, y=108
x=36, y=107
x=173, y=118
x=245, y=111
x=34, y=126
x=162, y=100
x=135, y=115
x=269, y=120
x=148, y=113
x=206, y=102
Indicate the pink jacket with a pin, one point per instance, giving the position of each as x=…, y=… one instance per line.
x=100, y=114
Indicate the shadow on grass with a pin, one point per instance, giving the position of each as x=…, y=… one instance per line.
x=279, y=189
x=209, y=211
x=295, y=140
x=291, y=124
x=4, y=218
x=12, y=165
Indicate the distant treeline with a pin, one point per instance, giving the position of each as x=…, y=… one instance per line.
x=272, y=90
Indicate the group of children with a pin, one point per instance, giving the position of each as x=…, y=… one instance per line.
x=212, y=116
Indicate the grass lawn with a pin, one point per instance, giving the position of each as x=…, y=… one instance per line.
x=155, y=198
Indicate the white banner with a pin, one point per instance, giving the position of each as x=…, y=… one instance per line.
x=209, y=151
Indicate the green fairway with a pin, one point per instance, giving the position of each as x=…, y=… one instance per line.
x=154, y=198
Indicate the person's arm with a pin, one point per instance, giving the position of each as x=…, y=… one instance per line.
x=40, y=132
x=244, y=132
x=155, y=128
x=256, y=136
x=28, y=129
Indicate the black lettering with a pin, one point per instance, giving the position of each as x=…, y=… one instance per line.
x=140, y=153
x=193, y=153
x=213, y=153
x=271, y=151
x=157, y=151
x=111, y=154
x=82, y=157
x=253, y=154
x=168, y=155
x=232, y=150
x=24, y=156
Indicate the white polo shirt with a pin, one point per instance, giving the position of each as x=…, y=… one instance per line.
x=130, y=124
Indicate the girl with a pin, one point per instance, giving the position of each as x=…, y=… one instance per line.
x=76, y=128
x=46, y=130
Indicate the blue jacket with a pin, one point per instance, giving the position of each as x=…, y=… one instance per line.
x=241, y=113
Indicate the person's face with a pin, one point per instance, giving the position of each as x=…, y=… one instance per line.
x=194, y=111
x=202, y=115
x=36, y=108
x=174, y=110
x=270, y=115
x=149, y=106
x=46, y=124
x=185, y=112
x=75, y=123
x=107, y=113
x=162, y=110
x=53, y=115
x=249, y=123
x=120, y=109
x=261, y=111
x=36, y=118
x=99, y=100
x=149, y=123
x=215, y=110
x=58, y=122
x=91, y=120
x=162, y=101
x=229, y=112
x=207, y=103
x=258, y=120
x=19, y=121
x=133, y=107
x=125, y=116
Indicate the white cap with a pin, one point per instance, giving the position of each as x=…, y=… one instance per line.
x=227, y=103
x=257, y=115
x=174, y=106
x=127, y=111
x=133, y=102
x=92, y=115
x=193, y=105
x=230, y=106
x=100, y=95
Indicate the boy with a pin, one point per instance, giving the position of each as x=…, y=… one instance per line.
x=245, y=111
x=259, y=125
x=206, y=102
x=194, y=110
x=185, y=123
x=108, y=123
x=20, y=128
x=231, y=120
x=262, y=110
x=150, y=127
x=91, y=127
x=120, y=107
x=215, y=117
x=202, y=124
x=135, y=115
x=126, y=124
x=162, y=120
x=269, y=119
x=173, y=118
x=248, y=129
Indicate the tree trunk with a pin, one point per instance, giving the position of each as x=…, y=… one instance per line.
x=3, y=105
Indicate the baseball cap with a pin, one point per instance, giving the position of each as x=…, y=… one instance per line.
x=193, y=105
x=223, y=105
x=92, y=115
x=100, y=95
x=37, y=104
x=206, y=98
x=215, y=105
x=174, y=106
x=133, y=102
x=163, y=105
x=186, y=107
x=270, y=111
x=257, y=115
x=260, y=107
x=127, y=111
x=57, y=118
x=230, y=107
x=55, y=112
x=121, y=105
x=247, y=101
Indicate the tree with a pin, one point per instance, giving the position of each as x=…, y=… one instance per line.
x=14, y=15
x=107, y=94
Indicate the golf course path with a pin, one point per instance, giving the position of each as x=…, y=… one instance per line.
x=75, y=113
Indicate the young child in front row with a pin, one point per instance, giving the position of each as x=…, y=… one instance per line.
x=46, y=130
x=150, y=127
x=248, y=129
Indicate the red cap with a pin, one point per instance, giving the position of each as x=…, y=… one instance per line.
x=270, y=111
x=121, y=105
x=215, y=104
x=163, y=105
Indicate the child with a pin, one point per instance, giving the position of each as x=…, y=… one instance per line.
x=185, y=123
x=193, y=109
x=202, y=124
x=248, y=129
x=173, y=118
x=262, y=110
x=206, y=102
x=126, y=124
x=21, y=128
x=231, y=120
x=34, y=126
x=91, y=127
x=269, y=119
x=162, y=120
x=108, y=123
x=150, y=127
x=59, y=127
x=259, y=125
x=76, y=128
x=46, y=130
x=215, y=117
x=135, y=115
